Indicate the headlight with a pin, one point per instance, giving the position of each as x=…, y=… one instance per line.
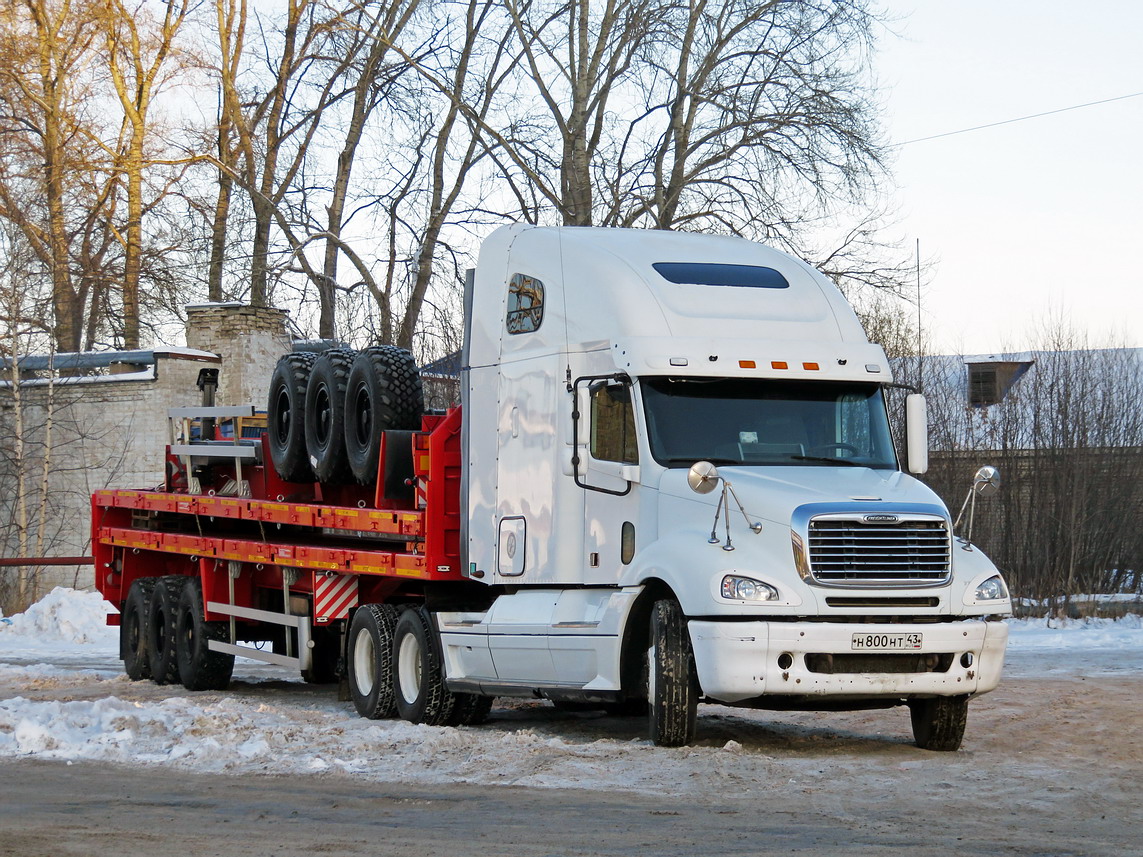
x=992, y=589
x=746, y=589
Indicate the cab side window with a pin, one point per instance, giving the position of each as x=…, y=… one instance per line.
x=613, y=425
x=525, y=304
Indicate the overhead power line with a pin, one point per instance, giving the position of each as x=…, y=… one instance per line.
x=1021, y=118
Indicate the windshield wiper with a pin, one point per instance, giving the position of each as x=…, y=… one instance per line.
x=828, y=460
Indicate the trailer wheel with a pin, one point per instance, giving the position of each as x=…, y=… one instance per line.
x=384, y=393
x=133, y=630
x=199, y=667
x=672, y=680
x=370, y=661
x=938, y=723
x=422, y=696
x=325, y=415
x=162, y=618
x=286, y=416
x=469, y=709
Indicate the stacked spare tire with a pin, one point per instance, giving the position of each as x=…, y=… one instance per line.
x=327, y=411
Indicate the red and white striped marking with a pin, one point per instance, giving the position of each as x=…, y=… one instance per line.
x=334, y=596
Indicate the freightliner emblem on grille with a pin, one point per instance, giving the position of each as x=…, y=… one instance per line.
x=879, y=519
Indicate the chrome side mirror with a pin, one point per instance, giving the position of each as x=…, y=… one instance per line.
x=702, y=477
x=987, y=481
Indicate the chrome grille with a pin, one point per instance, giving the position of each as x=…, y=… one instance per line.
x=847, y=552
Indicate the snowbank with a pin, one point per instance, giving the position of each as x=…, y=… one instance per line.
x=1125, y=633
x=63, y=616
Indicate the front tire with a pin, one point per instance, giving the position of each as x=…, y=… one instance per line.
x=200, y=668
x=938, y=723
x=422, y=696
x=370, y=660
x=672, y=679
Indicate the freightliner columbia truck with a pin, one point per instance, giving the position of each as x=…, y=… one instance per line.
x=671, y=480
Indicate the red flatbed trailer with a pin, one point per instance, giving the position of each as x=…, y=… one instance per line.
x=290, y=554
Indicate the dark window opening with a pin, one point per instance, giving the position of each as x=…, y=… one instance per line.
x=714, y=274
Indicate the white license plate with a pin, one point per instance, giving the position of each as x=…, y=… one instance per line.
x=887, y=642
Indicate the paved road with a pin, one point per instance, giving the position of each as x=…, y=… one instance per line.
x=1052, y=766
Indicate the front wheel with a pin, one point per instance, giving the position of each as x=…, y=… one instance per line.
x=422, y=696
x=938, y=723
x=672, y=679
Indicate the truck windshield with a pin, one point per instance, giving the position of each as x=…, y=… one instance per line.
x=767, y=422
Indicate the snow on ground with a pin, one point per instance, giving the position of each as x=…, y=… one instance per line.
x=62, y=653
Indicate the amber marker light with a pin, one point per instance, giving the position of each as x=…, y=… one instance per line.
x=810, y=367
x=747, y=364
x=779, y=364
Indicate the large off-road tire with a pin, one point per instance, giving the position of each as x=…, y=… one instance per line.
x=370, y=660
x=323, y=656
x=384, y=394
x=199, y=667
x=286, y=416
x=133, y=629
x=325, y=415
x=469, y=709
x=162, y=620
x=418, y=675
x=938, y=723
x=672, y=680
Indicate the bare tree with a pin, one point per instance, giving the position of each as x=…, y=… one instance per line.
x=139, y=54
x=45, y=85
x=1068, y=437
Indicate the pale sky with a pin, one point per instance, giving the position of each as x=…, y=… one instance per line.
x=1035, y=219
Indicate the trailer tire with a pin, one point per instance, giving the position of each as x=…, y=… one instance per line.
x=672, y=679
x=162, y=617
x=325, y=416
x=418, y=676
x=286, y=416
x=469, y=709
x=370, y=660
x=384, y=393
x=133, y=630
x=938, y=723
x=199, y=667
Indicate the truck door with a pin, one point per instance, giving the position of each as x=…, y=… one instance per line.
x=608, y=477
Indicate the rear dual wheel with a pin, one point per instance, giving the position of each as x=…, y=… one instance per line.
x=395, y=667
x=133, y=629
x=162, y=637
x=199, y=667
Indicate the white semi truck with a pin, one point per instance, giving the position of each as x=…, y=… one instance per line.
x=672, y=480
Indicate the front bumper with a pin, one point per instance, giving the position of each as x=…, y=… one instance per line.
x=739, y=661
